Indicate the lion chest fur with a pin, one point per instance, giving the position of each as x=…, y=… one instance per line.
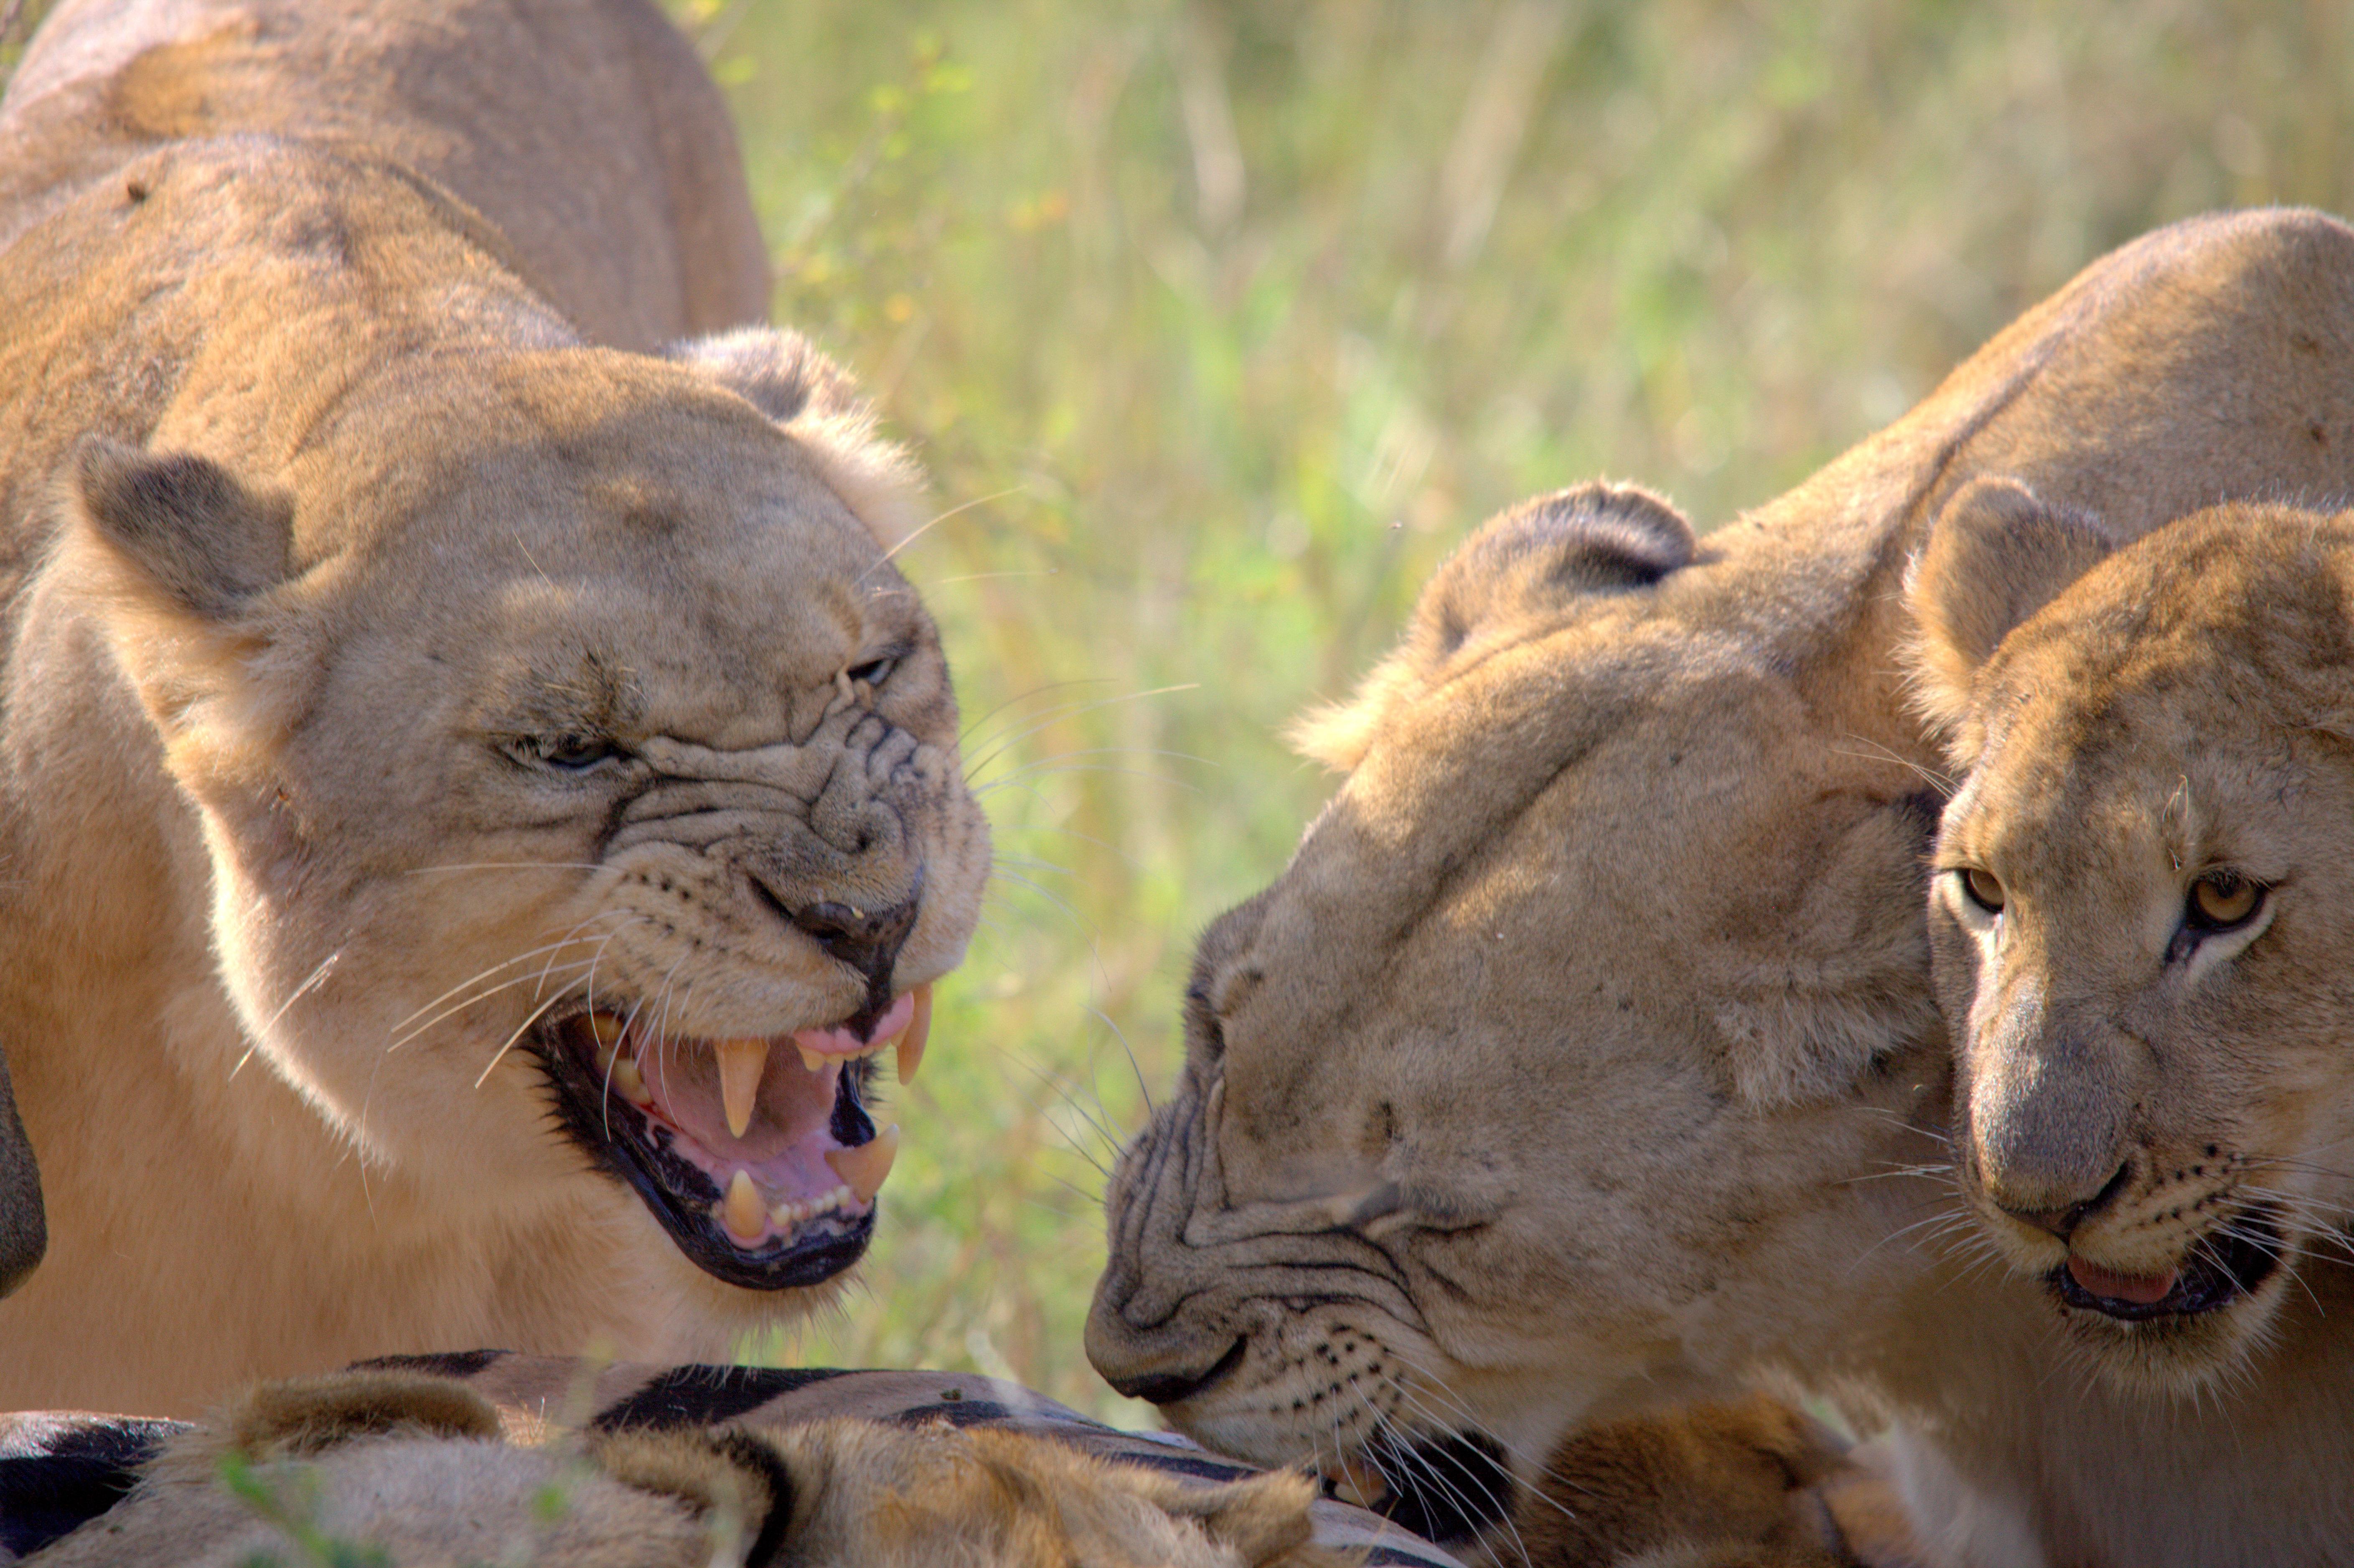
x=293, y=874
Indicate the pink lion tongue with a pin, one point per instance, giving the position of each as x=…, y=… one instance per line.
x=2141, y=1289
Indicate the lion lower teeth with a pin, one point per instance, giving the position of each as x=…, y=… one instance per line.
x=627, y=1081
x=741, y=1211
x=788, y=1215
x=1359, y=1484
x=866, y=1167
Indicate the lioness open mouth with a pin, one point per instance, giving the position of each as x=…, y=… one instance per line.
x=2225, y=1264
x=756, y=1155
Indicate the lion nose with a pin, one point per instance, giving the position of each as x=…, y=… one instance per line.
x=1169, y=1387
x=2063, y=1221
x=868, y=940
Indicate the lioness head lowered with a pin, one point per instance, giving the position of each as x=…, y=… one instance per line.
x=617, y=743
x=1401, y=1181
x=2144, y=909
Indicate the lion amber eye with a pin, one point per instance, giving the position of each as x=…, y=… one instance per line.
x=2222, y=899
x=570, y=753
x=1983, y=890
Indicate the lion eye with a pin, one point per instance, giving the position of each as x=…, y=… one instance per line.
x=2223, y=899
x=1983, y=888
x=874, y=672
x=566, y=753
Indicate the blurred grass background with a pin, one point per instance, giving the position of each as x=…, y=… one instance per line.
x=1223, y=321
x=1219, y=322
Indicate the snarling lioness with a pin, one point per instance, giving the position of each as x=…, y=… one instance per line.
x=477, y=797
x=1588, y=1051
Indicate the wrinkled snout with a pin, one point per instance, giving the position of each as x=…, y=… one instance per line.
x=1141, y=1334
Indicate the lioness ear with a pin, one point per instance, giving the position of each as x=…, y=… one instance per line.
x=174, y=551
x=1525, y=565
x=1995, y=556
x=199, y=542
x=817, y=404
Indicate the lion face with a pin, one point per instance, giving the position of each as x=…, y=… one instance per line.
x=2143, y=908
x=605, y=777
x=1600, y=864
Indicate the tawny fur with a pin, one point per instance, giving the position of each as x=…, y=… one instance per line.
x=1709, y=1486
x=325, y=484
x=1587, y=1052
x=415, y=1467
x=2179, y=710
x=589, y=134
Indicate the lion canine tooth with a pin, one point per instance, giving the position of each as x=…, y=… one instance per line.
x=607, y=1030
x=623, y=1076
x=741, y=1062
x=863, y=1169
x=911, y=1039
x=813, y=1060
x=1359, y=1484
x=742, y=1213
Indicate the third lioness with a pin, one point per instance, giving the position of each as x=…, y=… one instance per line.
x=2143, y=915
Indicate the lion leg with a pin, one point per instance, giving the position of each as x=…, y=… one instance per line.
x=1747, y=1484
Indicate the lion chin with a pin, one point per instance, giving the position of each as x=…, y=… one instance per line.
x=480, y=802
x=1588, y=1055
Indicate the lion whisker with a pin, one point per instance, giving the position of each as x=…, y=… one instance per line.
x=1032, y=776
x=536, y=1014
x=998, y=747
x=411, y=1035
x=507, y=865
x=1881, y=753
x=915, y=533
x=1436, y=1387
x=569, y=940
x=1410, y=1462
x=311, y=983
x=968, y=735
